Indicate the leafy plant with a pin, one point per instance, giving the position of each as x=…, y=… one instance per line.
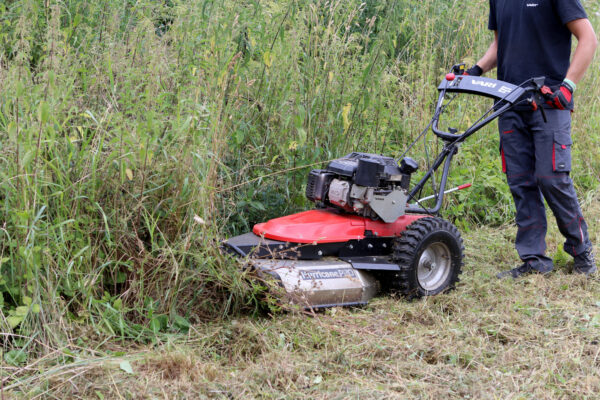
x=137, y=135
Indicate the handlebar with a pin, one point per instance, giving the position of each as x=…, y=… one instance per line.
x=505, y=94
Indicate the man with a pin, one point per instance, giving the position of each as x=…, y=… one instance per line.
x=533, y=38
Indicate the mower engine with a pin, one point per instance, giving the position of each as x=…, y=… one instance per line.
x=364, y=184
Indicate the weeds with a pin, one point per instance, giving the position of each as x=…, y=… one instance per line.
x=534, y=338
x=137, y=135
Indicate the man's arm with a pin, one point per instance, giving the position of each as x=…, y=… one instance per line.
x=490, y=58
x=584, y=52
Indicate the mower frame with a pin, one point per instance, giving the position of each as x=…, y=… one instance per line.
x=326, y=257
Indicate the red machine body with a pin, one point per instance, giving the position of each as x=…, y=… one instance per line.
x=329, y=226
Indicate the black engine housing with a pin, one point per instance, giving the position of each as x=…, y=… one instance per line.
x=358, y=176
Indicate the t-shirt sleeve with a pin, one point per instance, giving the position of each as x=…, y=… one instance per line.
x=492, y=25
x=569, y=10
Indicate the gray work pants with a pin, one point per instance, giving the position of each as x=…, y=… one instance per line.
x=536, y=157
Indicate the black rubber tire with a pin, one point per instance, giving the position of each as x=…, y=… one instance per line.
x=426, y=234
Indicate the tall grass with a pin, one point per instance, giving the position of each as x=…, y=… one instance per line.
x=135, y=136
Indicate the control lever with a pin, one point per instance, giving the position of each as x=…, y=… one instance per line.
x=458, y=69
x=543, y=114
x=544, y=91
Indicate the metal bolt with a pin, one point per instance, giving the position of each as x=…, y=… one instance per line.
x=369, y=246
x=385, y=246
x=376, y=234
x=374, y=259
x=320, y=253
x=351, y=247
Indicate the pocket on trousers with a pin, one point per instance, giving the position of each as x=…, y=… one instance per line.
x=561, y=151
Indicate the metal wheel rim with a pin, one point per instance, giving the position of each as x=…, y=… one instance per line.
x=434, y=266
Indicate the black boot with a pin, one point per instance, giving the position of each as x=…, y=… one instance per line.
x=585, y=263
x=528, y=267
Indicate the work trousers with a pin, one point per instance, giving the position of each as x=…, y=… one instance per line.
x=536, y=157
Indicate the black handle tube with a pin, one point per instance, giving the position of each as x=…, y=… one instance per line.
x=518, y=93
x=452, y=140
x=472, y=129
x=483, y=123
x=447, y=154
x=438, y=161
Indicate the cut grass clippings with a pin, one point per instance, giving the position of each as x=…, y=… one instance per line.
x=533, y=338
x=136, y=135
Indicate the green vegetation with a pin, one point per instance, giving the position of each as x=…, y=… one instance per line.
x=136, y=135
x=536, y=338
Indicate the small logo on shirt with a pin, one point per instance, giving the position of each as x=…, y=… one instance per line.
x=532, y=4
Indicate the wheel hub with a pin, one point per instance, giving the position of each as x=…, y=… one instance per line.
x=434, y=266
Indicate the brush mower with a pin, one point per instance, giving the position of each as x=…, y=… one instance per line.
x=369, y=232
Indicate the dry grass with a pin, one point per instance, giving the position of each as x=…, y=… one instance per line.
x=115, y=141
x=535, y=338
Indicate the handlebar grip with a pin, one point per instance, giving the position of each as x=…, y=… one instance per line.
x=442, y=134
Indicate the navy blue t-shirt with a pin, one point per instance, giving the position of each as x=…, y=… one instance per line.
x=533, y=39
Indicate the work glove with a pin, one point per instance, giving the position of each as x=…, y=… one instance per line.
x=562, y=98
x=475, y=70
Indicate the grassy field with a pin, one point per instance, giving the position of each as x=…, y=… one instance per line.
x=536, y=338
x=136, y=135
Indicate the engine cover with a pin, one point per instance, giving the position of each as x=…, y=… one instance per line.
x=318, y=184
x=348, y=165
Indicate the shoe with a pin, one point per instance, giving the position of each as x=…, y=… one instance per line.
x=585, y=263
x=525, y=269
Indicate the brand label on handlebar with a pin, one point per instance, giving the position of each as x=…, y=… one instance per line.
x=484, y=84
x=494, y=88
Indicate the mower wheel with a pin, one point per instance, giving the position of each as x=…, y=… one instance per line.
x=430, y=256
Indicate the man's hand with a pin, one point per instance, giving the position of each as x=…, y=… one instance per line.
x=562, y=98
x=475, y=70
